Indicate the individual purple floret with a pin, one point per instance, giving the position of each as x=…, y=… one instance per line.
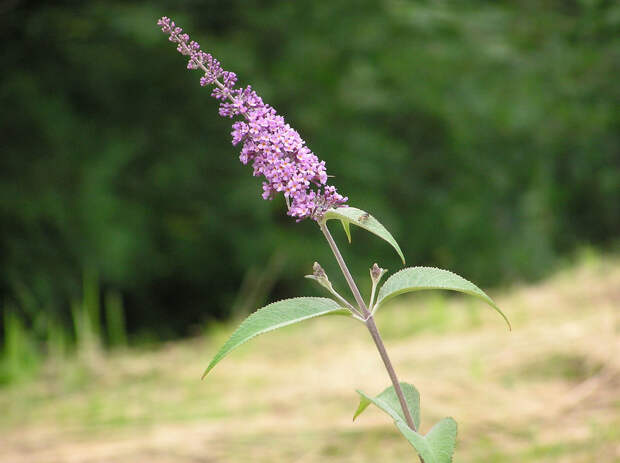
x=274, y=148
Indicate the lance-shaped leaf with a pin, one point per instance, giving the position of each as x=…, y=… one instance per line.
x=352, y=215
x=437, y=446
x=277, y=315
x=389, y=403
x=420, y=278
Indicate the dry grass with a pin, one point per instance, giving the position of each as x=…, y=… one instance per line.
x=547, y=392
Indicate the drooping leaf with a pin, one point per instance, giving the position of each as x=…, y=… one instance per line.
x=421, y=278
x=277, y=315
x=351, y=215
x=389, y=403
x=347, y=229
x=437, y=446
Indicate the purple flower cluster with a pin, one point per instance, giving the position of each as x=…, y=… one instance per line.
x=274, y=148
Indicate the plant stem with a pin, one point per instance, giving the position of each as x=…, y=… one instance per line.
x=346, y=303
x=376, y=337
x=372, y=297
x=344, y=269
x=370, y=324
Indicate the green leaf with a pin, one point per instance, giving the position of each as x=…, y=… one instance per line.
x=352, y=215
x=389, y=403
x=420, y=278
x=438, y=445
x=277, y=315
x=347, y=229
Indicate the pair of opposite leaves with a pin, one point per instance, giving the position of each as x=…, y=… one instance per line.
x=437, y=445
x=289, y=311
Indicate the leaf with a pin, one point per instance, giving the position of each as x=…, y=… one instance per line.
x=389, y=403
x=438, y=444
x=277, y=315
x=347, y=229
x=351, y=215
x=420, y=278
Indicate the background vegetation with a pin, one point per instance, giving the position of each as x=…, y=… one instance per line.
x=485, y=135
x=545, y=393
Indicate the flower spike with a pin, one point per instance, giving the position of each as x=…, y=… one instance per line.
x=276, y=150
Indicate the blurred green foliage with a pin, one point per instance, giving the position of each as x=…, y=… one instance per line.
x=484, y=135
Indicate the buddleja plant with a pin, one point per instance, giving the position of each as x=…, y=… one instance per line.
x=279, y=155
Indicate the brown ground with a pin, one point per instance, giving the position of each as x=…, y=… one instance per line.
x=546, y=392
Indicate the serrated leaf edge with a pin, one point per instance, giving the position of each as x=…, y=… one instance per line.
x=216, y=359
x=483, y=296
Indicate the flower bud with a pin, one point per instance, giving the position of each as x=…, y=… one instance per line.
x=319, y=275
x=318, y=271
x=376, y=273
